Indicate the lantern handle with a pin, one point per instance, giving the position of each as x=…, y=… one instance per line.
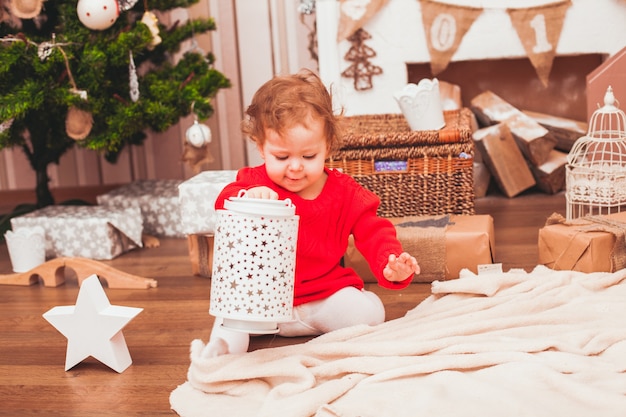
x=243, y=192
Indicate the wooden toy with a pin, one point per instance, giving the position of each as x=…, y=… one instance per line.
x=52, y=274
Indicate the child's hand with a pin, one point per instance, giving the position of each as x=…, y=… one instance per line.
x=401, y=267
x=262, y=192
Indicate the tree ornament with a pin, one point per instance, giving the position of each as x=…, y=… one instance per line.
x=78, y=123
x=132, y=77
x=44, y=50
x=306, y=7
x=125, y=5
x=26, y=9
x=197, y=157
x=98, y=14
x=198, y=134
x=149, y=19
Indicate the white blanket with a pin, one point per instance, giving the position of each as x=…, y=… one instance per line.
x=544, y=343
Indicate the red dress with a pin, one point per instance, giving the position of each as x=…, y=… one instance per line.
x=343, y=208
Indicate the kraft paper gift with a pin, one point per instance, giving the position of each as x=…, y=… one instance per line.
x=442, y=245
x=587, y=244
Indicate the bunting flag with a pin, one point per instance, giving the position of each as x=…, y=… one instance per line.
x=353, y=14
x=539, y=29
x=444, y=27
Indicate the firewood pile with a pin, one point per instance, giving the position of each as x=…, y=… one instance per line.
x=520, y=149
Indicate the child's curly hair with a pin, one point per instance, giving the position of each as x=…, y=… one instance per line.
x=288, y=100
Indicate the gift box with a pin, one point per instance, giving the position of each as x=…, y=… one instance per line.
x=201, y=254
x=587, y=244
x=94, y=232
x=197, y=200
x=157, y=200
x=442, y=245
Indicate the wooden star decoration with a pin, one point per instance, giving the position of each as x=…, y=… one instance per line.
x=93, y=327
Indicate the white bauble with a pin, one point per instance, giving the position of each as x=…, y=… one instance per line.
x=198, y=134
x=97, y=14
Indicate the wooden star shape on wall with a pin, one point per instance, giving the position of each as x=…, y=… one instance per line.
x=93, y=327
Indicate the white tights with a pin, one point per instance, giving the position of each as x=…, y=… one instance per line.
x=347, y=307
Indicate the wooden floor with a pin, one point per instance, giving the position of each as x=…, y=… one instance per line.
x=32, y=352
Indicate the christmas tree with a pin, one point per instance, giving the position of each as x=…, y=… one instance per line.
x=96, y=74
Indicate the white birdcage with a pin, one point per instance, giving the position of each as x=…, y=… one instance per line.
x=596, y=164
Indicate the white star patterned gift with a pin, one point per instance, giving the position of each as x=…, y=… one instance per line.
x=93, y=327
x=93, y=232
x=157, y=200
x=197, y=198
x=254, y=264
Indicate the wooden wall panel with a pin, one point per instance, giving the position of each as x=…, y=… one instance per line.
x=118, y=173
x=17, y=170
x=66, y=171
x=4, y=180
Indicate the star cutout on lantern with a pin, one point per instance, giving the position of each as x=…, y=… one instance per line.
x=93, y=327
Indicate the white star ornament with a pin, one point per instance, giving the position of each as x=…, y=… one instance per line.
x=93, y=327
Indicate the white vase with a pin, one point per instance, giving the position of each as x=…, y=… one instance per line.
x=421, y=105
x=27, y=247
x=252, y=280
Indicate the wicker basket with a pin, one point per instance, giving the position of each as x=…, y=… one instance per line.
x=413, y=172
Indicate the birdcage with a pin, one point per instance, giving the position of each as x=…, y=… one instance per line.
x=596, y=164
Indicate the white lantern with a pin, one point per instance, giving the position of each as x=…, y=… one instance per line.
x=596, y=165
x=253, y=275
x=97, y=14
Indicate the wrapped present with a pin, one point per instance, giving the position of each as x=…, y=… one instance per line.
x=197, y=200
x=442, y=245
x=586, y=244
x=94, y=232
x=157, y=200
x=201, y=254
